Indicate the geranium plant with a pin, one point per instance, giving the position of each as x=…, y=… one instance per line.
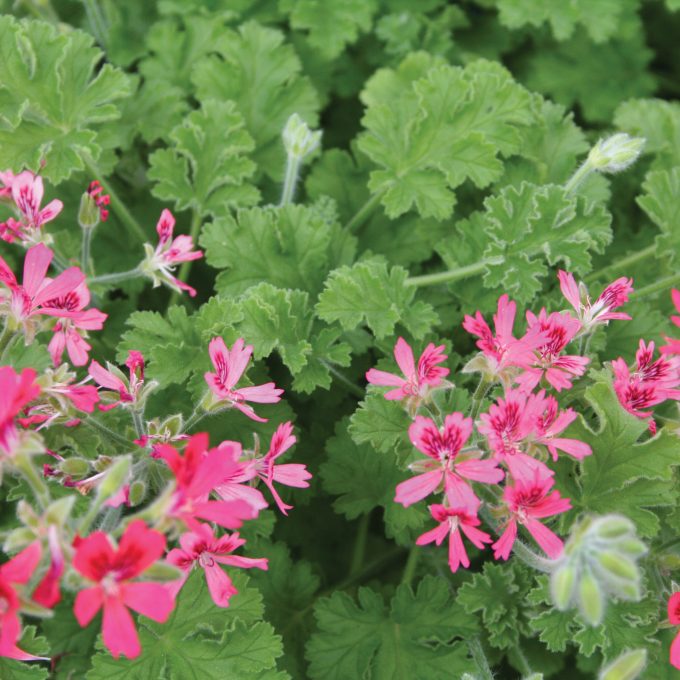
x=339, y=339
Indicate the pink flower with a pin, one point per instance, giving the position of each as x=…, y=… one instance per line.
x=16, y=390
x=113, y=571
x=18, y=571
x=27, y=192
x=673, y=346
x=160, y=263
x=6, y=179
x=126, y=392
x=527, y=501
x=549, y=422
x=451, y=522
x=229, y=367
x=590, y=314
x=502, y=351
x=650, y=384
x=416, y=381
x=197, y=473
x=674, y=620
x=446, y=464
x=559, y=370
x=508, y=424
x=201, y=547
x=289, y=474
x=48, y=593
x=237, y=473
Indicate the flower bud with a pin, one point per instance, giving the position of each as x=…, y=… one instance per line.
x=618, y=565
x=137, y=492
x=615, y=153
x=298, y=140
x=613, y=526
x=74, y=467
x=88, y=214
x=628, y=666
x=590, y=599
x=115, y=478
x=562, y=586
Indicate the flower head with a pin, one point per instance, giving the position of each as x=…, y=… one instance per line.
x=113, y=570
x=16, y=390
x=230, y=365
x=117, y=388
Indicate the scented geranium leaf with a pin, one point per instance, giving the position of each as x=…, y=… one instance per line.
x=623, y=475
x=206, y=167
x=600, y=18
x=327, y=350
x=530, y=225
x=498, y=594
x=330, y=26
x=51, y=100
x=287, y=247
x=413, y=639
x=369, y=292
x=430, y=126
x=200, y=639
x=261, y=74
x=22, y=670
x=156, y=109
x=380, y=422
x=661, y=202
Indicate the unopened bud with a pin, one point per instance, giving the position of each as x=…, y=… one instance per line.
x=562, y=586
x=615, y=153
x=88, y=214
x=626, y=667
x=74, y=467
x=618, y=565
x=298, y=140
x=137, y=492
x=60, y=510
x=613, y=526
x=590, y=599
x=115, y=478
x=163, y=571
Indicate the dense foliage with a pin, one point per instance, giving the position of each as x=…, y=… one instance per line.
x=374, y=299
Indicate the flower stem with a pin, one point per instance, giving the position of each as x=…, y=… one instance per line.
x=97, y=21
x=6, y=340
x=475, y=647
x=194, y=419
x=362, y=215
x=138, y=422
x=449, y=275
x=622, y=264
x=478, y=397
x=185, y=269
x=352, y=387
x=293, y=163
x=116, y=277
x=657, y=286
x=85, y=250
x=411, y=564
x=359, y=552
x=110, y=519
x=583, y=172
x=35, y=481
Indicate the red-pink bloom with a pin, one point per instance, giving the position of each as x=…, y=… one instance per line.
x=416, y=381
x=550, y=422
x=161, y=262
x=651, y=383
x=229, y=367
x=102, y=200
x=559, y=370
x=502, y=350
x=126, y=392
x=201, y=547
x=527, y=501
x=237, y=473
x=674, y=620
x=6, y=179
x=47, y=592
x=17, y=571
x=601, y=311
x=27, y=193
x=446, y=465
x=289, y=474
x=673, y=346
x=113, y=570
x=451, y=522
x=197, y=473
x=16, y=390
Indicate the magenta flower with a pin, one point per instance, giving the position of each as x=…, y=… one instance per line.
x=112, y=380
x=527, y=501
x=201, y=547
x=416, y=381
x=6, y=179
x=16, y=390
x=237, y=473
x=446, y=464
x=502, y=351
x=17, y=571
x=27, y=193
x=161, y=262
x=229, y=367
x=113, y=570
x=102, y=200
x=451, y=522
x=559, y=370
x=590, y=314
x=673, y=346
x=674, y=620
x=47, y=592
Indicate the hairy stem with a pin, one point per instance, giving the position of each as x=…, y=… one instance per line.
x=362, y=215
x=6, y=340
x=583, y=172
x=359, y=552
x=138, y=422
x=97, y=21
x=411, y=564
x=352, y=387
x=85, y=250
x=449, y=275
x=620, y=266
x=290, y=181
x=35, y=481
x=663, y=285
x=116, y=277
x=475, y=647
x=478, y=397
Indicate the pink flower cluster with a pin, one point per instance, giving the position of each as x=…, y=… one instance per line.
x=466, y=458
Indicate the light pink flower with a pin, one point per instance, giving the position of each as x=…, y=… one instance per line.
x=559, y=370
x=27, y=193
x=17, y=571
x=527, y=501
x=550, y=422
x=125, y=392
x=674, y=620
x=16, y=390
x=446, y=465
x=590, y=314
x=201, y=547
x=451, y=522
x=229, y=367
x=6, y=179
x=113, y=571
x=416, y=381
x=673, y=346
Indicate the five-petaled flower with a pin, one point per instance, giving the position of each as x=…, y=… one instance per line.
x=125, y=391
x=113, y=571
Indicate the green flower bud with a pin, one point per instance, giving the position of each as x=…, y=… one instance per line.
x=628, y=666
x=632, y=547
x=613, y=526
x=88, y=214
x=115, y=478
x=618, y=565
x=615, y=153
x=562, y=586
x=74, y=467
x=590, y=599
x=298, y=140
x=137, y=492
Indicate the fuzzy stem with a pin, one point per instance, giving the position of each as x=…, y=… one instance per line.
x=480, y=659
x=657, y=287
x=35, y=481
x=137, y=421
x=583, y=172
x=116, y=277
x=622, y=264
x=97, y=21
x=6, y=340
x=110, y=519
x=362, y=215
x=352, y=387
x=194, y=419
x=449, y=275
x=293, y=164
x=359, y=552
x=522, y=661
x=411, y=564
x=185, y=269
x=478, y=397
x=89, y=517
x=85, y=249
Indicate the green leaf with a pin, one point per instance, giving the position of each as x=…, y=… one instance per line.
x=199, y=639
x=330, y=26
x=51, y=101
x=370, y=292
x=206, y=167
x=412, y=640
x=26, y=670
x=262, y=75
x=380, y=422
x=430, y=127
x=661, y=202
x=623, y=475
